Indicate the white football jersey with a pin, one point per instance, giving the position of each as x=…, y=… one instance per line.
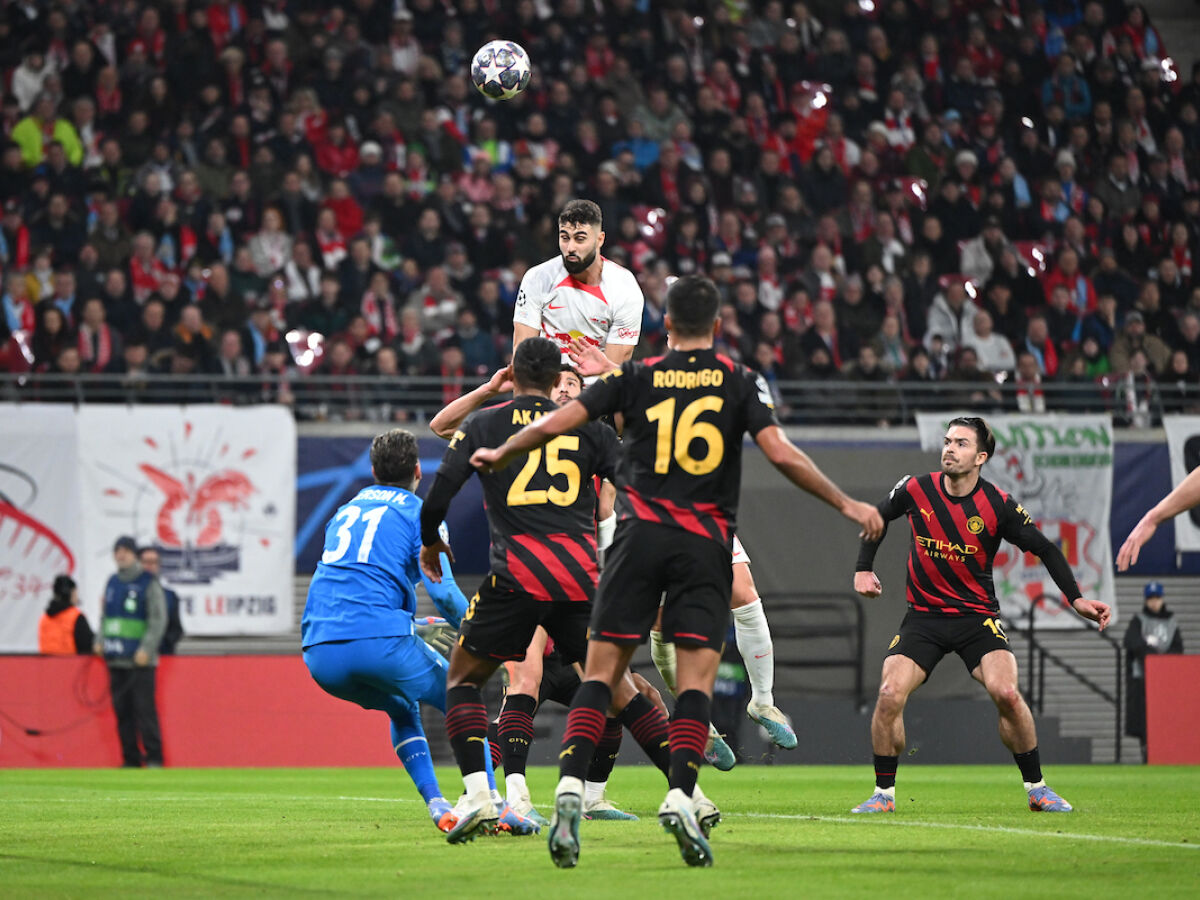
x=563, y=309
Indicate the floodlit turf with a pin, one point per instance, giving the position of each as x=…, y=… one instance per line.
x=958, y=831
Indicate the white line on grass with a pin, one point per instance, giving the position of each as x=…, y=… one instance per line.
x=198, y=798
x=898, y=823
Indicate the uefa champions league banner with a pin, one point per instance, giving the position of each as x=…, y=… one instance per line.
x=1059, y=468
x=39, y=516
x=1183, y=444
x=214, y=489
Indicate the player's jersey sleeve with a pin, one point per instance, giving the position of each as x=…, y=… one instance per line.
x=896, y=504
x=608, y=451
x=452, y=474
x=531, y=296
x=759, y=406
x=626, y=327
x=611, y=392
x=1018, y=528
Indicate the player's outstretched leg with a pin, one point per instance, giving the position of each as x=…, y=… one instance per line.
x=585, y=727
x=717, y=752
x=901, y=676
x=595, y=801
x=466, y=726
x=757, y=651
x=412, y=749
x=997, y=671
x=516, y=734
x=678, y=811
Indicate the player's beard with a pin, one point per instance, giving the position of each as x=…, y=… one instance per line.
x=578, y=265
x=956, y=468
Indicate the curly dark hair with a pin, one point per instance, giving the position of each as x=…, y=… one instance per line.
x=394, y=457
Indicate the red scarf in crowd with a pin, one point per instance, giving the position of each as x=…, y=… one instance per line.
x=95, y=347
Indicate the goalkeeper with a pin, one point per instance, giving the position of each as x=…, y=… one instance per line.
x=360, y=640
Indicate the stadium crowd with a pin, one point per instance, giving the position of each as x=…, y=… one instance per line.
x=887, y=193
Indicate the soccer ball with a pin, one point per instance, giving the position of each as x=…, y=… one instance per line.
x=500, y=70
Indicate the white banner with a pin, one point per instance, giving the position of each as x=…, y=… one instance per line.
x=39, y=516
x=214, y=489
x=1183, y=442
x=1059, y=467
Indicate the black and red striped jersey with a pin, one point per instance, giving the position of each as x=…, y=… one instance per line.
x=954, y=544
x=541, y=508
x=681, y=451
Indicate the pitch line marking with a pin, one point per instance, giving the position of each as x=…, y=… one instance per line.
x=201, y=798
x=1005, y=829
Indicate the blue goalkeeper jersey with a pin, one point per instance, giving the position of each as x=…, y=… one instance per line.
x=364, y=583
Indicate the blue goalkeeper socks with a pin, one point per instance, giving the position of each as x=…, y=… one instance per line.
x=408, y=740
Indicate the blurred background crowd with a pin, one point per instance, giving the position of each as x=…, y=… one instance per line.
x=989, y=192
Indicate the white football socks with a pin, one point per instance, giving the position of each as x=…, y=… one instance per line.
x=593, y=791
x=515, y=787
x=758, y=653
x=663, y=654
x=476, y=785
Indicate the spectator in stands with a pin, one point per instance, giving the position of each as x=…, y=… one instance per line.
x=980, y=254
x=1133, y=337
x=34, y=133
x=951, y=315
x=994, y=352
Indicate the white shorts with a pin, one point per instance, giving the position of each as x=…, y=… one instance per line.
x=739, y=552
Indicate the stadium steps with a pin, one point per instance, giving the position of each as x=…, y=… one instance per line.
x=1080, y=711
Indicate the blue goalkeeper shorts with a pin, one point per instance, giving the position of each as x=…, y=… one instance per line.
x=389, y=673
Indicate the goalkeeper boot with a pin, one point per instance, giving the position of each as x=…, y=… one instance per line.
x=775, y=723
x=564, y=825
x=1042, y=799
x=677, y=816
x=707, y=814
x=718, y=753
x=879, y=802
x=480, y=817
x=600, y=808
x=442, y=813
x=514, y=823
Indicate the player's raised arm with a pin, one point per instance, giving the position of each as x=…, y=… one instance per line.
x=522, y=332
x=1018, y=527
x=562, y=420
x=1185, y=495
x=798, y=467
x=452, y=415
x=589, y=360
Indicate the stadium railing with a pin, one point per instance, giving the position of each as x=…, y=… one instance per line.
x=1040, y=655
x=831, y=628
x=409, y=398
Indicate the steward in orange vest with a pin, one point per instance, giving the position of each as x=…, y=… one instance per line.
x=64, y=630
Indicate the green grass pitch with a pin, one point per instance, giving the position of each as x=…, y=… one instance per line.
x=958, y=831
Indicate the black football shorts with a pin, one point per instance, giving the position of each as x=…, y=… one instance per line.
x=647, y=561
x=925, y=637
x=560, y=681
x=500, y=623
